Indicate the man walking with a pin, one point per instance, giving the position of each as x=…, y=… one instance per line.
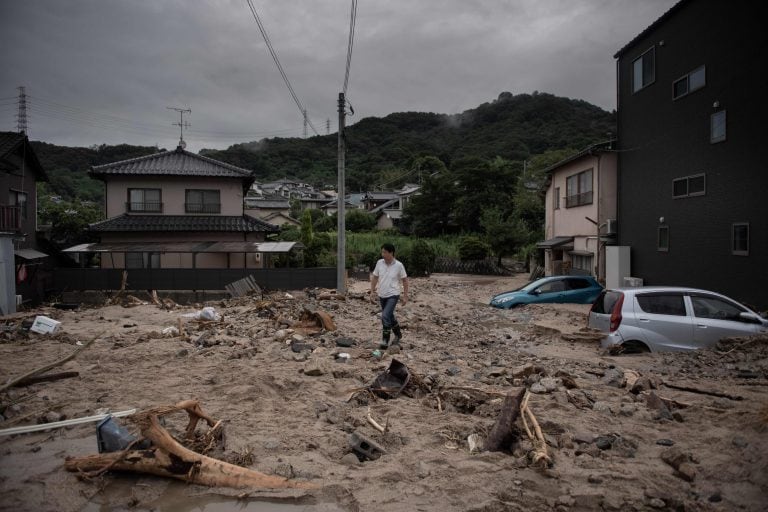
x=388, y=274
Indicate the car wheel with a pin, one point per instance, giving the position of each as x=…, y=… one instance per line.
x=634, y=347
x=510, y=306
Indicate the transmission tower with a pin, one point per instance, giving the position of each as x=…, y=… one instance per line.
x=181, y=124
x=21, y=117
x=327, y=126
x=304, y=112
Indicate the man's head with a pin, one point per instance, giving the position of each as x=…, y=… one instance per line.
x=388, y=252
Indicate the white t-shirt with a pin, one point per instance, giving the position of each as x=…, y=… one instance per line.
x=389, y=277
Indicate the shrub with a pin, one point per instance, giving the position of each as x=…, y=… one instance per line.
x=473, y=248
x=422, y=259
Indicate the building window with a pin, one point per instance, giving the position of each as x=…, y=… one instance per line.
x=740, y=239
x=582, y=263
x=579, y=189
x=556, y=198
x=142, y=260
x=19, y=199
x=144, y=200
x=644, y=70
x=694, y=80
x=695, y=185
x=663, y=239
x=203, y=201
x=717, y=127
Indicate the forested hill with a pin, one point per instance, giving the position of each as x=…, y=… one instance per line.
x=513, y=127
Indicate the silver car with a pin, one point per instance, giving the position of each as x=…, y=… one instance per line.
x=667, y=318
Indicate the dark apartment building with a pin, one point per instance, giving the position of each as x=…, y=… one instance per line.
x=693, y=133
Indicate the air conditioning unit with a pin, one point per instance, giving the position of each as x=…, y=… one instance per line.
x=611, y=227
x=633, y=282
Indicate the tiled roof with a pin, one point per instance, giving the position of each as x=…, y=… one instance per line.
x=221, y=223
x=173, y=163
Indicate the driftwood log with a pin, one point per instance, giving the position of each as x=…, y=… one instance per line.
x=168, y=458
x=501, y=436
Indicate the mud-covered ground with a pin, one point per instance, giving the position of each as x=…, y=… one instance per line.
x=620, y=432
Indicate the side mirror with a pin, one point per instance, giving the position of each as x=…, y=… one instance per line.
x=534, y=292
x=750, y=318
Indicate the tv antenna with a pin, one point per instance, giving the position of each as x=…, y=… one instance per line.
x=181, y=124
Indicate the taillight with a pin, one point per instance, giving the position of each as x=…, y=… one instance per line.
x=616, y=313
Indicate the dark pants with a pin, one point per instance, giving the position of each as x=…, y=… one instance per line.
x=388, y=320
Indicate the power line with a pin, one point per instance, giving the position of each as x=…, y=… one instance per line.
x=350, y=43
x=279, y=67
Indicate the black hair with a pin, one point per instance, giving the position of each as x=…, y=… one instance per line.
x=389, y=248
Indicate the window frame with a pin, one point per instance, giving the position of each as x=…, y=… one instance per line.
x=713, y=139
x=652, y=79
x=687, y=180
x=144, y=209
x=640, y=298
x=687, y=79
x=739, y=251
x=581, y=197
x=659, y=247
x=148, y=260
x=20, y=200
x=556, y=199
x=204, y=206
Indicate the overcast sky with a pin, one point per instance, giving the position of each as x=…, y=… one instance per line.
x=105, y=71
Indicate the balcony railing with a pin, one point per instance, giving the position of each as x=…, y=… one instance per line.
x=145, y=207
x=578, y=199
x=202, y=207
x=10, y=218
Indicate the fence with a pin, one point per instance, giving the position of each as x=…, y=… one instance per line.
x=81, y=279
x=484, y=267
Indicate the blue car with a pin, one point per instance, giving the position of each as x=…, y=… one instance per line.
x=571, y=289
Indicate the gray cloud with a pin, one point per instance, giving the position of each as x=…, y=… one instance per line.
x=104, y=71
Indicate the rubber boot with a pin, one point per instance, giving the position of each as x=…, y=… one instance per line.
x=385, y=334
x=398, y=334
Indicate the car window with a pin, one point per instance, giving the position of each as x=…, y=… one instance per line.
x=578, y=284
x=552, y=286
x=605, y=302
x=715, y=307
x=662, y=304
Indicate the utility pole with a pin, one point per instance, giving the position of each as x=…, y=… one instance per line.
x=21, y=117
x=341, y=242
x=181, y=124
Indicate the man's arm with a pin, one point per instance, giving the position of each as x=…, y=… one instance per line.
x=405, y=290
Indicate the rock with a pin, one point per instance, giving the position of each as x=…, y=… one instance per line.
x=297, y=337
x=285, y=470
x=614, y=377
x=526, y=370
x=674, y=457
x=594, y=479
x=344, y=342
x=565, y=500
x=612, y=502
x=604, y=442
x=627, y=410
x=657, y=404
x=583, y=437
x=182, y=352
x=641, y=384
x=602, y=407
x=739, y=442
x=314, y=368
x=423, y=470
x=53, y=416
x=656, y=503
x=453, y=370
x=678, y=416
x=350, y=459
x=665, y=442
x=587, y=501
x=538, y=389
x=686, y=471
x=550, y=383
x=270, y=444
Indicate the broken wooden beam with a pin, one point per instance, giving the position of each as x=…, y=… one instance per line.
x=501, y=436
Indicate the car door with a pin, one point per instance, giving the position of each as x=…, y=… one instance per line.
x=551, y=291
x=663, y=320
x=716, y=318
x=580, y=291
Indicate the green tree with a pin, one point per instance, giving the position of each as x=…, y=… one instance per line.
x=482, y=183
x=69, y=220
x=472, y=248
x=357, y=221
x=503, y=234
x=429, y=213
